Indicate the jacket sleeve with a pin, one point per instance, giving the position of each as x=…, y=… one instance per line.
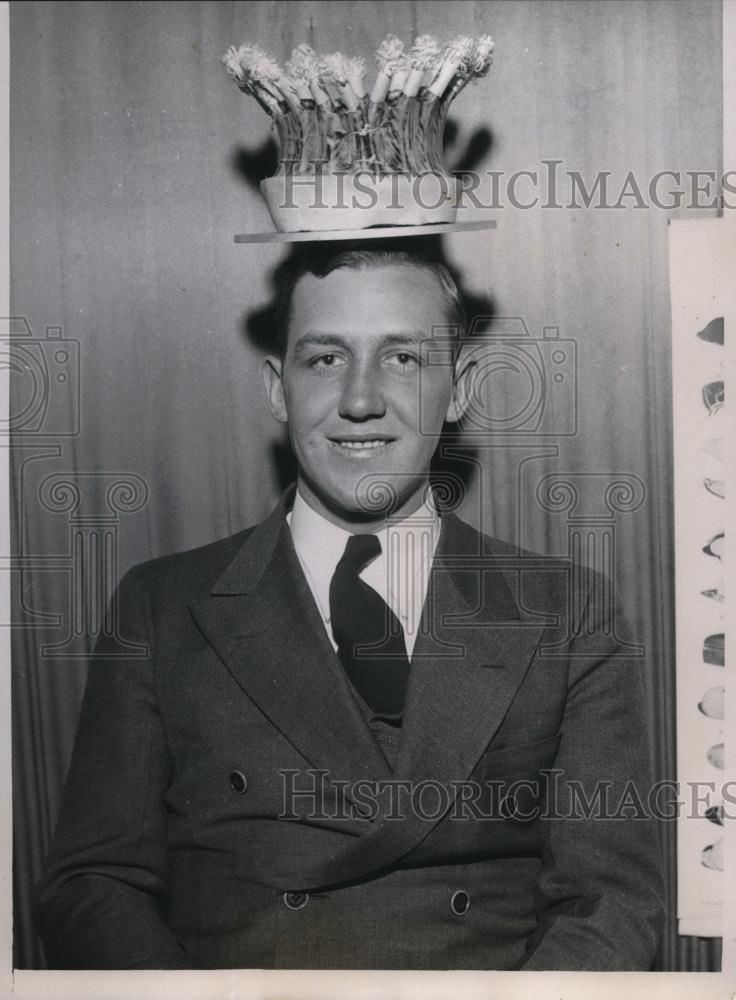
x=600, y=904
x=101, y=900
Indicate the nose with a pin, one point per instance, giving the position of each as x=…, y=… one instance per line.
x=362, y=395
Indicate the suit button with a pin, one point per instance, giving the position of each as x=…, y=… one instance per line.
x=295, y=900
x=238, y=782
x=460, y=903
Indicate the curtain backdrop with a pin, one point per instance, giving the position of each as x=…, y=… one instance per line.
x=133, y=160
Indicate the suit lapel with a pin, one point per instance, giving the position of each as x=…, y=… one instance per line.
x=470, y=658
x=261, y=619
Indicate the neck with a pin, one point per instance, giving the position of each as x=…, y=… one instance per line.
x=360, y=520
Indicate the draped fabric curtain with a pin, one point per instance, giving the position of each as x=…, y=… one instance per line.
x=141, y=426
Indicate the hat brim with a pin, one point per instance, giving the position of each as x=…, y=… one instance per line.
x=374, y=233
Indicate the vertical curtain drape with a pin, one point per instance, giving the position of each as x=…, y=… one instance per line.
x=133, y=159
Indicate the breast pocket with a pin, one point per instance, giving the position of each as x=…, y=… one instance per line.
x=519, y=758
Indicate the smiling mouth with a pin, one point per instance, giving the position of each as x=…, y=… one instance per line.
x=361, y=446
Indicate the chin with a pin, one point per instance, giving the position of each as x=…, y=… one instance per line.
x=377, y=494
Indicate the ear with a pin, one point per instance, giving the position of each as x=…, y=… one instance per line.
x=461, y=388
x=272, y=368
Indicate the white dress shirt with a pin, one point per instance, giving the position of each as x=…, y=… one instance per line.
x=400, y=574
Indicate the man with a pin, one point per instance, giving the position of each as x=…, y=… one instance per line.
x=333, y=755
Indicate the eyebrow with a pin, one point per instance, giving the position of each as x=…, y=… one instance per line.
x=316, y=339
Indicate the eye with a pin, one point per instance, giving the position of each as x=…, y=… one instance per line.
x=403, y=359
x=329, y=360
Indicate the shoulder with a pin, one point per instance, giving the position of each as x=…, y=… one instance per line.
x=187, y=573
x=462, y=539
x=541, y=582
x=462, y=536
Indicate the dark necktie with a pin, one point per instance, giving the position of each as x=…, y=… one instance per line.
x=369, y=636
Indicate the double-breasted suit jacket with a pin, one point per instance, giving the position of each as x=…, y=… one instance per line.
x=228, y=804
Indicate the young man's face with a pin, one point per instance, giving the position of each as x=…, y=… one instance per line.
x=364, y=391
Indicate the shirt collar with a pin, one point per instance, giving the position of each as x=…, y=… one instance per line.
x=320, y=544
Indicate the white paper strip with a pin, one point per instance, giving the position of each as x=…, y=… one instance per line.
x=699, y=279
